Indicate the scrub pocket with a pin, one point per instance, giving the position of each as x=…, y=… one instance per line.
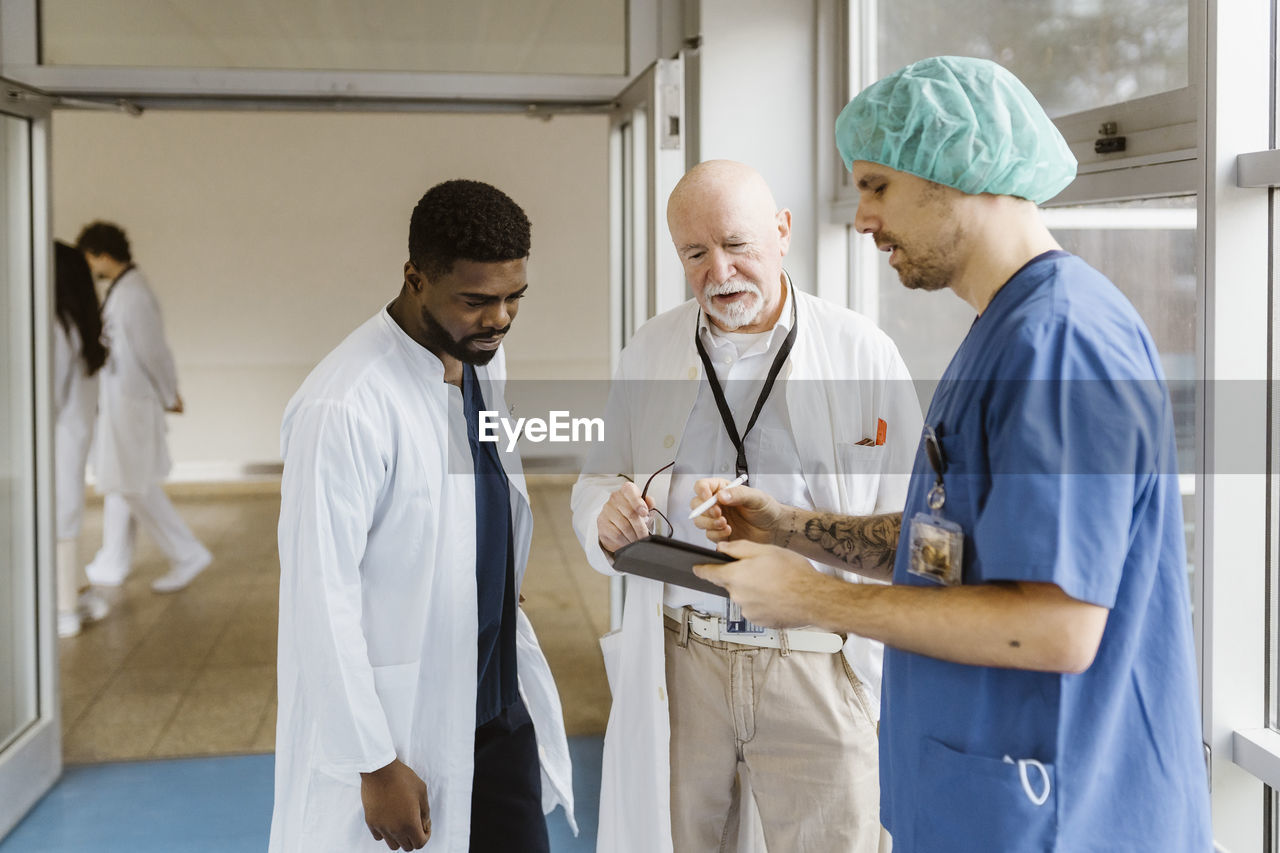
x=858, y=466
x=971, y=802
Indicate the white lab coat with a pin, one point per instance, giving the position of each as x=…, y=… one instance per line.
x=139, y=382
x=75, y=403
x=645, y=423
x=378, y=622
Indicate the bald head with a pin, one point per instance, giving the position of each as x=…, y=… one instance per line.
x=731, y=238
x=722, y=183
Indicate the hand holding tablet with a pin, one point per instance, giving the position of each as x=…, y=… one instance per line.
x=669, y=560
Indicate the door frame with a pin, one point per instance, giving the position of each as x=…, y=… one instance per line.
x=31, y=763
x=648, y=155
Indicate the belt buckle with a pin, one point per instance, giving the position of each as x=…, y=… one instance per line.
x=710, y=624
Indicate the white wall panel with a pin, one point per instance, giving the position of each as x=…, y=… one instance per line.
x=269, y=236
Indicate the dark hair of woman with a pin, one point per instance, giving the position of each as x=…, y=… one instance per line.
x=76, y=303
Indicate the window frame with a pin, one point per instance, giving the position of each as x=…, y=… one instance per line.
x=32, y=761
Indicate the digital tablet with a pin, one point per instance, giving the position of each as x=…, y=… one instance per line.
x=662, y=558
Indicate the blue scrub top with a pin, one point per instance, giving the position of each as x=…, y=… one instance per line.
x=1058, y=436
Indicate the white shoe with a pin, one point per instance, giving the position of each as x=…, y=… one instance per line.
x=181, y=575
x=92, y=606
x=68, y=624
x=101, y=576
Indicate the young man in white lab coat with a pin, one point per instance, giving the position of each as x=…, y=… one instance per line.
x=693, y=704
x=415, y=705
x=131, y=453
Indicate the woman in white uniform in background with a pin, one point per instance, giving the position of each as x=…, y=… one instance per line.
x=78, y=354
x=131, y=451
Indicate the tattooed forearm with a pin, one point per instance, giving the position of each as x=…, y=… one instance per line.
x=863, y=544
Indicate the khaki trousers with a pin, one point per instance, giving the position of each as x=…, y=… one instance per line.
x=795, y=724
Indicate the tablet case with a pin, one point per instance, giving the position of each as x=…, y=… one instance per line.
x=670, y=561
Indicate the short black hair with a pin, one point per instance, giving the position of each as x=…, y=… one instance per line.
x=105, y=238
x=467, y=220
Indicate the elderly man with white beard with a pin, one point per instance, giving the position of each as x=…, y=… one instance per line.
x=810, y=400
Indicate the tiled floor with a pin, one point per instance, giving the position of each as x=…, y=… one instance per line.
x=193, y=673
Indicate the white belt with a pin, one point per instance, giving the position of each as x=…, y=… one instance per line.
x=796, y=639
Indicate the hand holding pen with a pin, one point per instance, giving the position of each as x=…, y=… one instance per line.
x=729, y=510
x=711, y=501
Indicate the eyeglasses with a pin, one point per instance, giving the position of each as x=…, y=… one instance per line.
x=652, y=522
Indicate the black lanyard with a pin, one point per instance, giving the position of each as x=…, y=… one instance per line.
x=726, y=415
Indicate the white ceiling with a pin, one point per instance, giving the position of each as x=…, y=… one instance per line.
x=499, y=36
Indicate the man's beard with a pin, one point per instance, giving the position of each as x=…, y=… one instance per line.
x=439, y=338
x=928, y=273
x=925, y=267
x=737, y=314
x=933, y=266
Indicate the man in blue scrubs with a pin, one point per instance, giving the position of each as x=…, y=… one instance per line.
x=1040, y=684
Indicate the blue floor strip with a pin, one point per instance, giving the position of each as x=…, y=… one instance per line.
x=215, y=805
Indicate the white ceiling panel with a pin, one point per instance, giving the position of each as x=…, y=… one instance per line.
x=486, y=36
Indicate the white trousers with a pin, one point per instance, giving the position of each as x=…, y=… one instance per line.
x=122, y=513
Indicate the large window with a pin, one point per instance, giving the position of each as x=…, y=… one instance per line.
x=1074, y=54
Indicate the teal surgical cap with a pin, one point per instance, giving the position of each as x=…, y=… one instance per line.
x=963, y=122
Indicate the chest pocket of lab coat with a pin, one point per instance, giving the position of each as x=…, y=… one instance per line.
x=858, y=468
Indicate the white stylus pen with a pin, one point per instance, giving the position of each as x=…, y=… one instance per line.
x=711, y=501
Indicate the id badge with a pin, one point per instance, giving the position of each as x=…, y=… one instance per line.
x=936, y=548
x=735, y=624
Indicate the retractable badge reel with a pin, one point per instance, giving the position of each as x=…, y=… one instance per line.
x=936, y=543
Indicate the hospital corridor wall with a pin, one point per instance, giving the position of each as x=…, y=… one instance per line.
x=269, y=236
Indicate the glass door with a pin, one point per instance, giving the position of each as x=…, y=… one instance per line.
x=30, y=745
x=646, y=159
